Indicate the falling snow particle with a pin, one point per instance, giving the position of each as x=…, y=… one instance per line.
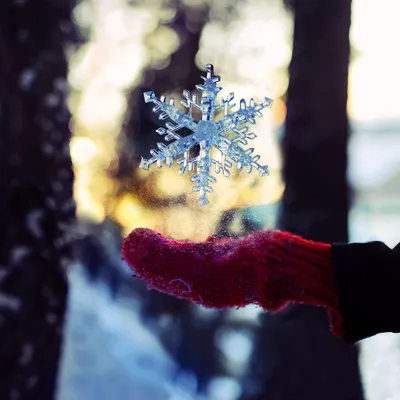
x=23, y=35
x=32, y=381
x=61, y=84
x=3, y=273
x=26, y=79
x=57, y=186
x=14, y=394
x=34, y=222
x=9, y=302
x=18, y=253
x=48, y=149
x=52, y=100
x=26, y=354
x=207, y=133
x=51, y=203
x=51, y=318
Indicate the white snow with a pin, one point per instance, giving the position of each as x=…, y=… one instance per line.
x=380, y=364
x=235, y=345
x=223, y=388
x=107, y=353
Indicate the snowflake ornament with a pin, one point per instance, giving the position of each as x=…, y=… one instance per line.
x=206, y=133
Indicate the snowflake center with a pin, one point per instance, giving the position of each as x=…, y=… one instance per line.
x=206, y=130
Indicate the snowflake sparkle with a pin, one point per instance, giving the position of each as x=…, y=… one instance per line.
x=206, y=133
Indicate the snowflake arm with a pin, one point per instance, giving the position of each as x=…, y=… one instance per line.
x=168, y=110
x=168, y=153
x=245, y=114
x=203, y=178
x=242, y=158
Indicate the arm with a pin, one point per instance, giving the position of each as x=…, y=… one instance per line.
x=367, y=277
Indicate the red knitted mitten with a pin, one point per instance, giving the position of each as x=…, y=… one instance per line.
x=267, y=268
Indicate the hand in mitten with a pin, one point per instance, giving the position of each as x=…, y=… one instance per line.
x=267, y=268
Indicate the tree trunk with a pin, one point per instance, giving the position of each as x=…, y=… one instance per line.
x=301, y=358
x=37, y=206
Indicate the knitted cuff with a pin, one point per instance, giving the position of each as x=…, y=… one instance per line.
x=303, y=272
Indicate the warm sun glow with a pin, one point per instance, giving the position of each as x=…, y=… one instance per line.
x=252, y=54
x=82, y=149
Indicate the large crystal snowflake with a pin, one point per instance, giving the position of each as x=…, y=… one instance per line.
x=206, y=133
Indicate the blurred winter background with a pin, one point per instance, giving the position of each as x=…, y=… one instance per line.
x=120, y=339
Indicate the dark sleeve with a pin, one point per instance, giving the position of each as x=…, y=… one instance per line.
x=367, y=277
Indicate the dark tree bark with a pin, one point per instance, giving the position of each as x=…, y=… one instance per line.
x=37, y=206
x=300, y=357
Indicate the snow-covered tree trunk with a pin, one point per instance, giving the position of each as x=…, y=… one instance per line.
x=36, y=207
x=300, y=357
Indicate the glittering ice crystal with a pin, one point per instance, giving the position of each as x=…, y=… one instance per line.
x=206, y=133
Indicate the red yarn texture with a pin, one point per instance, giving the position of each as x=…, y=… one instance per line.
x=268, y=268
